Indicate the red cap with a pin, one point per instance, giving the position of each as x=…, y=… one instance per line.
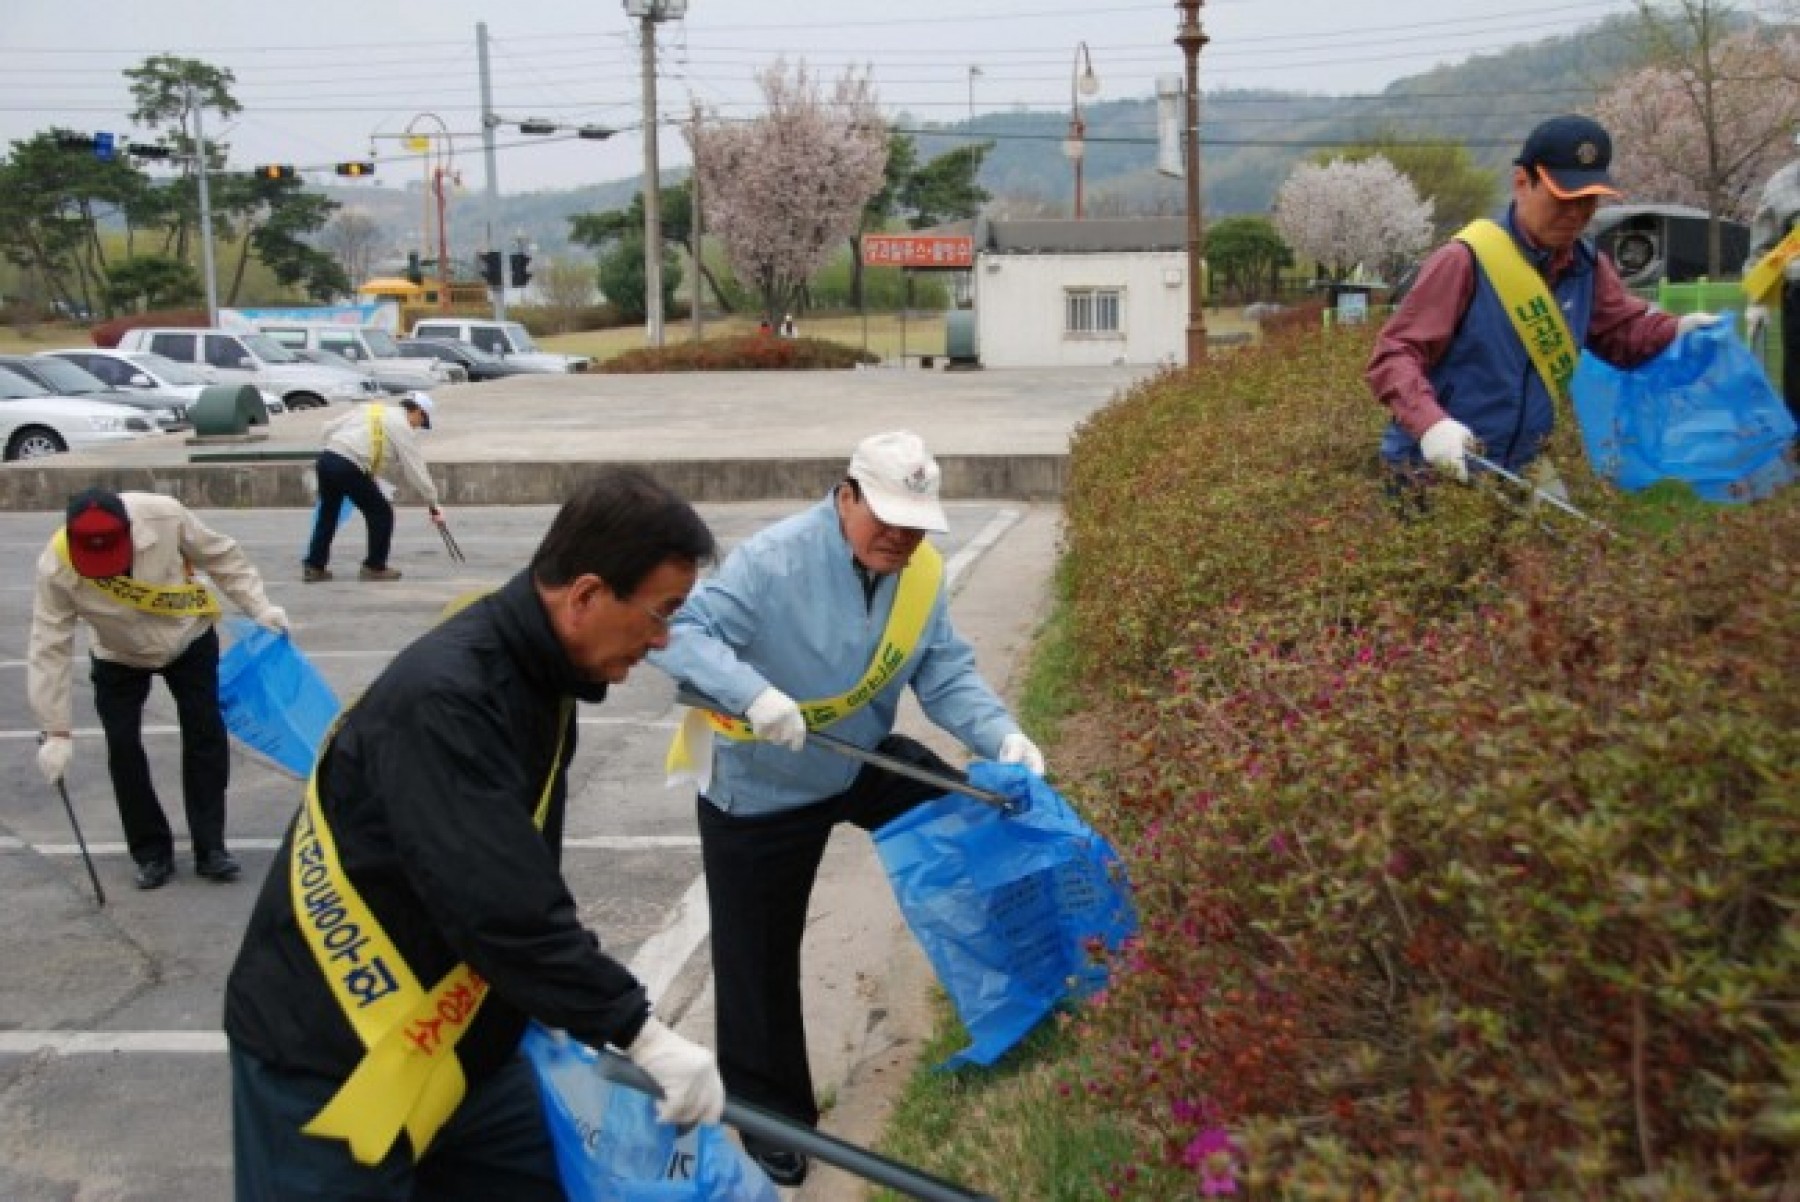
x=99, y=534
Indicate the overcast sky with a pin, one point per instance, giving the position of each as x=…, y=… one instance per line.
x=326, y=80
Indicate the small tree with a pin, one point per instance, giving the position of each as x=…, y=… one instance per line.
x=1343, y=215
x=782, y=189
x=1248, y=255
x=1442, y=172
x=355, y=240
x=566, y=287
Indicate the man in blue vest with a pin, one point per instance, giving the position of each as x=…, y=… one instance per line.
x=1467, y=370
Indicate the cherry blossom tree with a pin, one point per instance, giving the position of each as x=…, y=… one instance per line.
x=784, y=190
x=1708, y=122
x=1342, y=214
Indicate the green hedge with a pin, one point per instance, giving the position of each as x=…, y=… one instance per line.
x=1466, y=839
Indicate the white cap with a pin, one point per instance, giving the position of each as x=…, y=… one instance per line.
x=424, y=402
x=900, y=480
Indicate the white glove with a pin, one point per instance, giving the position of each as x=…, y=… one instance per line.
x=1756, y=320
x=1017, y=749
x=693, y=1091
x=1695, y=321
x=273, y=618
x=776, y=719
x=1445, y=445
x=53, y=756
x=436, y=513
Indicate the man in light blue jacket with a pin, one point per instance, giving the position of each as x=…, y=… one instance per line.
x=820, y=621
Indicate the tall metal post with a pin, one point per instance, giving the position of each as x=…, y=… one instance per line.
x=1191, y=38
x=699, y=280
x=206, y=230
x=488, y=122
x=653, y=309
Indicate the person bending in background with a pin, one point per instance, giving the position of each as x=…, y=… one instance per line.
x=124, y=564
x=359, y=447
x=1777, y=217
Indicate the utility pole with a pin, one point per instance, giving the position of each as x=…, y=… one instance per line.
x=206, y=233
x=488, y=122
x=1191, y=38
x=650, y=12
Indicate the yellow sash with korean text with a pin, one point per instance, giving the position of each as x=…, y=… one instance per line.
x=1762, y=280
x=190, y=600
x=914, y=597
x=409, y=1077
x=1536, y=319
x=377, y=439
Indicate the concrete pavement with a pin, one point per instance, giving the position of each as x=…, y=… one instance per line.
x=149, y=968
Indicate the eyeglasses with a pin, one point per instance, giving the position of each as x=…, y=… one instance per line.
x=663, y=620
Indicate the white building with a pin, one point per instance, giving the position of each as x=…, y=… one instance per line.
x=1087, y=293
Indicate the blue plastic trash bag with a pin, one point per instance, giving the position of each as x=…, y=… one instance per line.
x=1701, y=412
x=609, y=1146
x=274, y=700
x=1009, y=908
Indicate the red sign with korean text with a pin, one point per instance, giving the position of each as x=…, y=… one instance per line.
x=918, y=251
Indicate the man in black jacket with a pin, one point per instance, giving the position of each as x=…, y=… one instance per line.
x=416, y=915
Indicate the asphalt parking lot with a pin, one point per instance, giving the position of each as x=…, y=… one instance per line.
x=113, y=1083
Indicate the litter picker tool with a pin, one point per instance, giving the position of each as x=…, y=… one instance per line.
x=99, y=893
x=876, y=759
x=777, y=1129
x=443, y=529
x=1540, y=494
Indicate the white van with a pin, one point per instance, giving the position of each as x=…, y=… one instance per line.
x=369, y=348
x=507, y=339
x=238, y=358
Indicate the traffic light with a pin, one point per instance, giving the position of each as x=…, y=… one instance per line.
x=274, y=171
x=415, y=272
x=490, y=268
x=521, y=268
x=356, y=169
x=149, y=150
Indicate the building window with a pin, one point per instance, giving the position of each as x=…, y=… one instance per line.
x=1093, y=310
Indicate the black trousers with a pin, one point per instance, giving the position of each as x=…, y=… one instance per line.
x=495, y=1147
x=759, y=878
x=340, y=478
x=1790, y=347
x=119, y=695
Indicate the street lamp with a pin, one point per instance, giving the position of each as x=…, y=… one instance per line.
x=1191, y=38
x=438, y=151
x=1081, y=83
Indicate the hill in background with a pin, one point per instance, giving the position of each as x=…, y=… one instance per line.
x=1251, y=140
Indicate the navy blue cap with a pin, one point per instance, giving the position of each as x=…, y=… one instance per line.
x=1571, y=154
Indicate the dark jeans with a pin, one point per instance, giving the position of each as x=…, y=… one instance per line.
x=759, y=879
x=1790, y=347
x=119, y=694
x=340, y=478
x=495, y=1146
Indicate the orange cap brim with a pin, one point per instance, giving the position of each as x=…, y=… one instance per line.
x=1576, y=193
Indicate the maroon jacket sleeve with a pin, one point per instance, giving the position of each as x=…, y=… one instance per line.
x=1417, y=335
x=1624, y=330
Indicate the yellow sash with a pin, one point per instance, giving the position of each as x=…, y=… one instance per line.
x=914, y=597
x=1535, y=316
x=377, y=439
x=409, y=1077
x=1761, y=281
x=190, y=600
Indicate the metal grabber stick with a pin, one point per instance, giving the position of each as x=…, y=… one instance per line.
x=455, y=552
x=1539, y=493
x=99, y=893
x=779, y=1129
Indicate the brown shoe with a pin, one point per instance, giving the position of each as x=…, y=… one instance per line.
x=378, y=574
x=312, y=575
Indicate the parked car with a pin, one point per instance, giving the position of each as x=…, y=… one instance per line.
x=237, y=358
x=472, y=359
x=151, y=374
x=66, y=379
x=337, y=362
x=368, y=347
x=35, y=422
x=507, y=339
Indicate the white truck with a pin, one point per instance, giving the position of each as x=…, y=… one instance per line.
x=233, y=357
x=508, y=339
